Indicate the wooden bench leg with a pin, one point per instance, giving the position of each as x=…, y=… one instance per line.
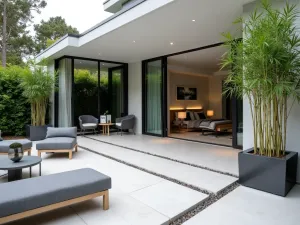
x=106, y=200
x=70, y=154
x=39, y=153
x=76, y=148
x=29, y=152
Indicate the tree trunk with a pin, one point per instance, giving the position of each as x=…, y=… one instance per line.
x=4, y=39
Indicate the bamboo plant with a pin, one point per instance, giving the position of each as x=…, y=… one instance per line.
x=37, y=86
x=265, y=71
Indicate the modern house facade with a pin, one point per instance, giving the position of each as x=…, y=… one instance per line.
x=128, y=59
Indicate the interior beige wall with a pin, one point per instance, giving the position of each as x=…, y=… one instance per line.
x=215, y=94
x=193, y=81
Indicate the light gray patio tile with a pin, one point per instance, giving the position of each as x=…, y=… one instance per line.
x=123, y=210
x=57, y=217
x=169, y=198
x=248, y=206
x=201, y=178
x=212, y=156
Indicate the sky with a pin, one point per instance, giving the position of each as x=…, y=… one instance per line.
x=82, y=14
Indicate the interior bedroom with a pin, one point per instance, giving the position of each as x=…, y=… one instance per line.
x=198, y=110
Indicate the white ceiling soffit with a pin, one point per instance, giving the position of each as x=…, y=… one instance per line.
x=158, y=23
x=206, y=61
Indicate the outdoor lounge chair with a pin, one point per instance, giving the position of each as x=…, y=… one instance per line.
x=28, y=197
x=59, y=140
x=88, y=122
x=126, y=123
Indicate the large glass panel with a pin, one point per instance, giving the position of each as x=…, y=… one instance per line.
x=239, y=122
x=85, y=100
x=153, y=111
x=104, y=90
x=117, y=94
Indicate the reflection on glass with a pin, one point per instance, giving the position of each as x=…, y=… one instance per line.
x=154, y=97
x=240, y=122
x=117, y=94
x=104, y=96
x=85, y=88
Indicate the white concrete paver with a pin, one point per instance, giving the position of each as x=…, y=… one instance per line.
x=172, y=206
x=212, y=156
x=248, y=206
x=211, y=181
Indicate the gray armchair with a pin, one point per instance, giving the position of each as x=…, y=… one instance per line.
x=87, y=122
x=126, y=123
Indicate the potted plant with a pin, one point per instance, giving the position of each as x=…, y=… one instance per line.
x=37, y=86
x=108, y=116
x=265, y=71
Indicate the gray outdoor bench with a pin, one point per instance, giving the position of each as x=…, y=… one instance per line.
x=4, y=146
x=24, y=198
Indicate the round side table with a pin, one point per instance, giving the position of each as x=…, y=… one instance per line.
x=15, y=168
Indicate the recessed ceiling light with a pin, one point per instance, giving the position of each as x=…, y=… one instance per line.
x=194, y=20
x=133, y=41
x=171, y=43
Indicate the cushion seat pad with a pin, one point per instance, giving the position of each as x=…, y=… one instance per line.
x=23, y=195
x=89, y=125
x=56, y=143
x=4, y=145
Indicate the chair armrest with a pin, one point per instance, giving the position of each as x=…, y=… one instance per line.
x=128, y=123
x=119, y=120
x=80, y=123
x=95, y=120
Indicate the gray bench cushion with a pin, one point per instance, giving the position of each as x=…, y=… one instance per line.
x=4, y=145
x=23, y=195
x=57, y=143
x=61, y=132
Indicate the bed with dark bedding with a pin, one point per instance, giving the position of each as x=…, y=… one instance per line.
x=198, y=120
x=216, y=126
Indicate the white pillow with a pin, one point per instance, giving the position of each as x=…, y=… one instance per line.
x=197, y=116
x=192, y=116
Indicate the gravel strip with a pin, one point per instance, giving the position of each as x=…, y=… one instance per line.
x=204, y=204
x=164, y=157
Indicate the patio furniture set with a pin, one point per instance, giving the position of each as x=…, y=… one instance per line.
x=91, y=123
x=46, y=193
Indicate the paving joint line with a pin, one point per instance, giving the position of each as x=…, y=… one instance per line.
x=167, y=158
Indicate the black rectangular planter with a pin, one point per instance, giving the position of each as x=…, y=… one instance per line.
x=36, y=133
x=273, y=175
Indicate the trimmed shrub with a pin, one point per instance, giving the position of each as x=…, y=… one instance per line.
x=14, y=108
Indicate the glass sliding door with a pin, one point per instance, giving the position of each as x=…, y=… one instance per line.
x=153, y=94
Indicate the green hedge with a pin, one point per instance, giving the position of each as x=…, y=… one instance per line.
x=14, y=109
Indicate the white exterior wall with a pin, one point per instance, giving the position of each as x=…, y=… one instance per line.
x=135, y=93
x=293, y=128
x=51, y=70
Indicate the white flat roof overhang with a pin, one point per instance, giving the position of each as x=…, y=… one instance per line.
x=147, y=30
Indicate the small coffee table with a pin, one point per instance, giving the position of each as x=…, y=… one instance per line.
x=15, y=168
x=106, y=127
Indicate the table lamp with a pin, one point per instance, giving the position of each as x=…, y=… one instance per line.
x=210, y=113
x=181, y=116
